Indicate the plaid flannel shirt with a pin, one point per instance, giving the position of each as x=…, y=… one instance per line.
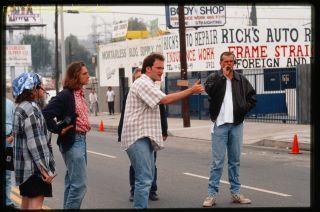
x=142, y=114
x=31, y=144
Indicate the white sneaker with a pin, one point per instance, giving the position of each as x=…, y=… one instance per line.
x=239, y=198
x=209, y=201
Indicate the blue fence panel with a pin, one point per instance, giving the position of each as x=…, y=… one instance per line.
x=274, y=103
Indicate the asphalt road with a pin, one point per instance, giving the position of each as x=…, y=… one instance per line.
x=270, y=177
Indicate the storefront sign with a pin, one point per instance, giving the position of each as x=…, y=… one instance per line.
x=22, y=15
x=18, y=55
x=197, y=16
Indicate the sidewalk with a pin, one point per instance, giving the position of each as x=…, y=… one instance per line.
x=255, y=133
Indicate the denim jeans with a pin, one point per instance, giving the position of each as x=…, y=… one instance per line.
x=75, y=181
x=225, y=137
x=8, y=181
x=141, y=155
x=154, y=186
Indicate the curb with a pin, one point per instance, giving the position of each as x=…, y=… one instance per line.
x=281, y=144
x=112, y=129
x=264, y=142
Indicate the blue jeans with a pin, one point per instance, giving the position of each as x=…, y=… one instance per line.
x=226, y=137
x=141, y=155
x=8, y=181
x=75, y=181
x=154, y=186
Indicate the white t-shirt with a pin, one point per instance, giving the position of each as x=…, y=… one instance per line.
x=93, y=97
x=110, y=96
x=226, y=110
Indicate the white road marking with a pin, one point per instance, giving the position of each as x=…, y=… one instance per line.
x=242, y=186
x=184, y=129
x=97, y=153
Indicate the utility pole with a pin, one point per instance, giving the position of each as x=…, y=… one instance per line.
x=70, y=53
x=183, y=65
x=63, y=51
x=57, y=51
x=253, y=15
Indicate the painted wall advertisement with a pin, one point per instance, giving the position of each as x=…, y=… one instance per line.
x=111, y=58
x=125, y=55
x=254, y=48
x=18, y=55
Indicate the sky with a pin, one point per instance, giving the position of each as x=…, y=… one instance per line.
x=81, y=24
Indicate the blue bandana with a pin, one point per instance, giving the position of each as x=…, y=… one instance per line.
x=25, y=81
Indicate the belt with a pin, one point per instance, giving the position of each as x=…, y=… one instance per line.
x=81, y=133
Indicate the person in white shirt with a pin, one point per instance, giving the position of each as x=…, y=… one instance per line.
x=110, y=100
x=230, y=96
x=93, y=99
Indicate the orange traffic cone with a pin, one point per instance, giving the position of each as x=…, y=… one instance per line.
x=101, y=129
x=295, y=145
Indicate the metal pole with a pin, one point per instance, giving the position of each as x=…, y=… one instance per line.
x=56, y=50
x=12, y=68
x=253, y=15
x=70, y=53
x=183, y=64
x=63, y=51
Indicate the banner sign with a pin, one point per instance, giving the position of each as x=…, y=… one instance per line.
x=197, y=16
x=254, y=48
x=22, y=15
x=18, y=55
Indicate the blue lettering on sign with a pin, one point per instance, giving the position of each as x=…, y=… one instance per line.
x=211, y=10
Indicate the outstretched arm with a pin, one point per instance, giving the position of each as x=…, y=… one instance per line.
x=173, y=97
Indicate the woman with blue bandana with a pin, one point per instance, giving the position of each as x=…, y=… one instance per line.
x=34, y=164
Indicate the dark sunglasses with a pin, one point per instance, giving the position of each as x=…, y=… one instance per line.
x=40, y=87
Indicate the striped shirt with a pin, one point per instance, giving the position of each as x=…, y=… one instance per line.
x=31, y=144
x=142, y=114
x=82, y=122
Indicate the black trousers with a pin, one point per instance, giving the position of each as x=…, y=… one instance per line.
x=111, y=107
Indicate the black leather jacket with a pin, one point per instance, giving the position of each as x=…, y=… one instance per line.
x=243, y=95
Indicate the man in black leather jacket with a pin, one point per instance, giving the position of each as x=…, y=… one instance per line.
x=230, y=97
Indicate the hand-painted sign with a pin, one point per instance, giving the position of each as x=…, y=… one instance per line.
x=22, y=15
x=254, y=48
x=18, y=55
x=119, y=31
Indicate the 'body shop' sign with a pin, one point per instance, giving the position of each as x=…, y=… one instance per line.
x=197, y=16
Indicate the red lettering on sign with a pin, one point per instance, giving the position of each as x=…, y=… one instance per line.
x=292, y=51
x=206, y=54
x=249, y=51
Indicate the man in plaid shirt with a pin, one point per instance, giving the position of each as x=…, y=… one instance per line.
x=141, y=134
